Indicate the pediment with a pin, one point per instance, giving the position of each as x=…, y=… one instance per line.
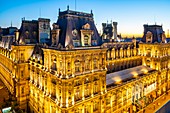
x=86, y=26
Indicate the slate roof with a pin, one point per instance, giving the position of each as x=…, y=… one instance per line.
x=28, y=31
x=127, y=74
x=7, y=36
x=69, y=20
x=156, y=30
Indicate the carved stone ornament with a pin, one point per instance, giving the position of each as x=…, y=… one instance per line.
x=86, y=26
x=74, y=32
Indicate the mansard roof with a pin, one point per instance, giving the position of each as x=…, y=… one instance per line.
x=28, y=31
x=7, y=36
x=68, y=21
x=156, y=31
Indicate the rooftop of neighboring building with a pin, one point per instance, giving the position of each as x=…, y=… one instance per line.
x=153, y=33
x=69, y=12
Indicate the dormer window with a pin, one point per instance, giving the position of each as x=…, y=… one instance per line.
x=86, y=39
x=149, y=37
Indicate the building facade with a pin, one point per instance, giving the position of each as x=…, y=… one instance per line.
x=110, y=32
x=78, y=73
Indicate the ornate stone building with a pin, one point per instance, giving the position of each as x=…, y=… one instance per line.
x=79, y=74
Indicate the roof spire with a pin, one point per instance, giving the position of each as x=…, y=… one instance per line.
x=40, y=12
x=168, y=34
x=67, y=7
x=91, y=11
x=75, y=5
x=59, y=9
x=11, y=23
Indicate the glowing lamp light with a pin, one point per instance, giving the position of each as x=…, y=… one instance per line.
x=117, y=79
x=135, y=74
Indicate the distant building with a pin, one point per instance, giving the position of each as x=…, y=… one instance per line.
x=153, y=33
x=44, y=30
x=7, y=36
x=110, y=32
x=35, y=31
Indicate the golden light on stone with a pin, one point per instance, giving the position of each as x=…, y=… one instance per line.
x=110, y=78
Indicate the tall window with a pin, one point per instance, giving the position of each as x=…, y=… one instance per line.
x=108, y=101
x=54, y=66
x=22, y=73
x=87, y=109
x=77, y=66
x=53, y=90
x=95, y=63
x=95, y=106
x=22, y=90
x=22, y=57
x=95, y=88
x=77, y=94
x=87, y=65
x=86, y=38
x=86, y=91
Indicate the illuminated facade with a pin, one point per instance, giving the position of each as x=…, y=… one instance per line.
x=79, y=74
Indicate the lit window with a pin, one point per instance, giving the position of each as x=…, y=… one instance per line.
x=107, y=101
x=95, y=88
x=22, y=90
x=87, y=65
x=95, y=63
x=77, y=66
x=22, y=74
x=77, y=94
x=95, y=106
x=86, y=91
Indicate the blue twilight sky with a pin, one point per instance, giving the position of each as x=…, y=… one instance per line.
x=130, y=14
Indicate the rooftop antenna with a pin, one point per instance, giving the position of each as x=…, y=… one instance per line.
x=67, y=7
x=154, y=20
x=23, y=18
x=11, y=23
x=168, y=34
x=40, y=12
x=75, y=4
x=91, y=11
